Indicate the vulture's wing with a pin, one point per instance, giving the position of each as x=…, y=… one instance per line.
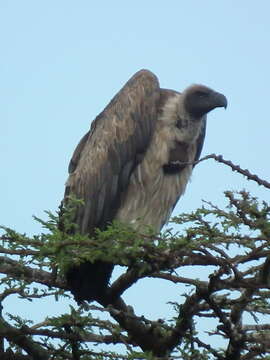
x=105, y=157
x=77, y=153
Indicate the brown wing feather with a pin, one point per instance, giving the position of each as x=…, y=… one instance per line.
x=105, y=157
x=77, y=152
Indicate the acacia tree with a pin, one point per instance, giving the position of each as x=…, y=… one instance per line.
x=235, y=294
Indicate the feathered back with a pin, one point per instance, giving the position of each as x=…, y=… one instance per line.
x=105, y=157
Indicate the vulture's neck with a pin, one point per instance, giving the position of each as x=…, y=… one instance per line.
x=174, y=114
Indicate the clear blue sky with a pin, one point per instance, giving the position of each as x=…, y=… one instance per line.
x=62, y=61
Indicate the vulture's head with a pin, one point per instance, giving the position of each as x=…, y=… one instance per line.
x=199, y=100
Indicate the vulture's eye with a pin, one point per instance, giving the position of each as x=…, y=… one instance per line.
x=201, y=94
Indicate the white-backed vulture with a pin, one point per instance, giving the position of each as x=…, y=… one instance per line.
x=130, y=166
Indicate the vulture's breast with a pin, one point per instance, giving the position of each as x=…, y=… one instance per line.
x=152, y=193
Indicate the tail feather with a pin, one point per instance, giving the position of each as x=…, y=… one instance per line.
x=89, y=281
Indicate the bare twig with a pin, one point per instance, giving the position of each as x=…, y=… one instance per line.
x=237, y=168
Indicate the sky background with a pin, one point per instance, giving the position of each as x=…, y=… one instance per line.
x=61, y=62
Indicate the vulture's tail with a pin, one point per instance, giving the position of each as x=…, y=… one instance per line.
x=89, y=281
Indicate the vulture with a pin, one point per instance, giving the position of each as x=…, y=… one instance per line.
x=134, y=164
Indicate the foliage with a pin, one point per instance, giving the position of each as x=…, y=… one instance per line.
x=231, y=245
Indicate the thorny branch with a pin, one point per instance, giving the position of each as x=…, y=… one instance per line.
x=237, y=168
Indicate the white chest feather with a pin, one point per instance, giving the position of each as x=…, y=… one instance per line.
x=152, y=194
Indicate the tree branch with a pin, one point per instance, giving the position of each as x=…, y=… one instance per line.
x=21, y=272
x=219, y=158
x=18, y=337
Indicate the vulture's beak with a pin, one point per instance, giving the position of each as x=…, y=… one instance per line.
x=220, y=100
